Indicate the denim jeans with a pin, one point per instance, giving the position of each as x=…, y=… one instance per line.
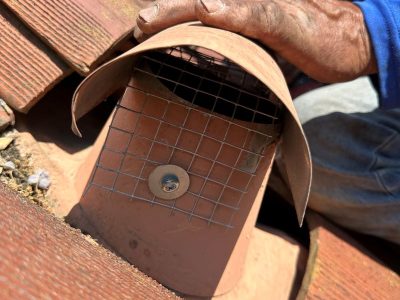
x=355, y=148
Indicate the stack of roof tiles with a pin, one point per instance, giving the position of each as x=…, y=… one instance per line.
x=43, y=41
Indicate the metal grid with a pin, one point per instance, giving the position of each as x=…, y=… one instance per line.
x=220, y=149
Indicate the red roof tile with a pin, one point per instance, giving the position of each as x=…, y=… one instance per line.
x=339, y=268
x=43, y=258
x=28, y=69
x=80, y=31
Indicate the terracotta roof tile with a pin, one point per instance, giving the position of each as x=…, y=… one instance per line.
x=43, y=258
x=80, y=31
x=340, y=268
x=28, y=68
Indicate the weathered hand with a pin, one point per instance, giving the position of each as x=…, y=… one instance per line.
x=327, y=40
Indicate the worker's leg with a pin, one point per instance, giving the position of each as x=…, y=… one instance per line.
x=356, y=159
x=356, y=170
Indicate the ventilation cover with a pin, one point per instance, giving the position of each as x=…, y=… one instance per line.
x=179, y=180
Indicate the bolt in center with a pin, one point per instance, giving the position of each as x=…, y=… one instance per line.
x=169, y=183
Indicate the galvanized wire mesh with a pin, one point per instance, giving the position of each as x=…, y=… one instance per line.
x=215, y=122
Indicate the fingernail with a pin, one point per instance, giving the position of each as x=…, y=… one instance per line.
x=148, y=14
x=212, y=6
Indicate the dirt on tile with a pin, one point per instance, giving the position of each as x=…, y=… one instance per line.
x=16, y=167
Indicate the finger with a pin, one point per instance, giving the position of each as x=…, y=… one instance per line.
x=165, y=13
x=144, y=3
x=254, y=19
x=139, y=35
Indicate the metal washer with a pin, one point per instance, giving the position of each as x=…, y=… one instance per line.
x=160, y=172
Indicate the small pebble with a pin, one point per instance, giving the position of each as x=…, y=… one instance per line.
x=9, y=165
x=41, y=178
x=44, y=183
x=33, y=179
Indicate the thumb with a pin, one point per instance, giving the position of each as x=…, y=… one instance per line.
x=165, y=13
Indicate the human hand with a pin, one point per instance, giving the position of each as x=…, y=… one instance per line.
x=327, y=40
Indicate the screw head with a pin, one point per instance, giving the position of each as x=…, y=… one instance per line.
x=169, y=183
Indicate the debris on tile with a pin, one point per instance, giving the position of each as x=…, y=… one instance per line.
x=15, y=170
x=8, y=165
x=7, y=117
x=44, y=183
x=33, y=179
x=5, y=142
x=41, y=179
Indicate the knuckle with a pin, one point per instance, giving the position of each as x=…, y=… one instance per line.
x=268, y=16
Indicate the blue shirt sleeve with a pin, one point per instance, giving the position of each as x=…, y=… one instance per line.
x=382, y=18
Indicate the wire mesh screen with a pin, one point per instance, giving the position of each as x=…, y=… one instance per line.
x=196, y=110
